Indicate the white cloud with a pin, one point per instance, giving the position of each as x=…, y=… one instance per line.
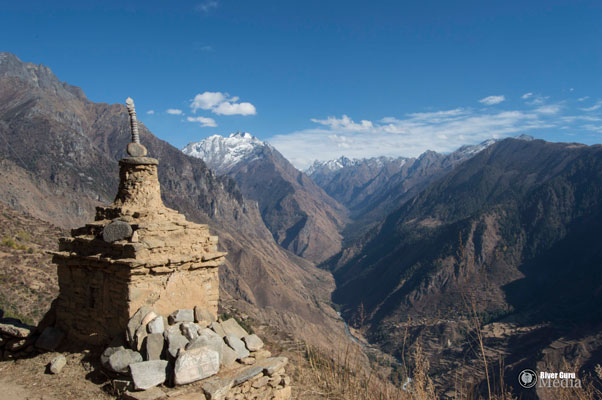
x=595, y=107
x=538, y=100
x=344, y=123
x=174, y=111
x=526, y=96
x=207, y=6
x=207, y=100
x=228, y=108
x=491, y=100
x=221, y=104
x=150, y=112
x=548, y=109
x=204, y=121
x=583, y=98
x=409, y=135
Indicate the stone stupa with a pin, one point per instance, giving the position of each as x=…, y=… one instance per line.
x=136, y=252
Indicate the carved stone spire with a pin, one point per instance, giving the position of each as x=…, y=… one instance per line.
x=134, y=149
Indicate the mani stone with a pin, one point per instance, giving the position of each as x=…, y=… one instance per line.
x=196, y=364
x=185, y=315
x=190, y=330
x=231, y=327
x=201, y=314
x=253, y=342
x=175, y=341
x=217, y=328
x=217, y=388
x=50, y=339
x=237, y=345
x=156, y=325
x=154, y=346
x=229, y=356
x=136, y=150
x=116, y=230
x=147, y=374
x=247, y=373
x=117, y=359
x=57, y=364
x=208, y=338
x=272, y=365
x=135, y=322
x=14, y=328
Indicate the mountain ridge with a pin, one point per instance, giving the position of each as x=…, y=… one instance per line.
x=300, y=215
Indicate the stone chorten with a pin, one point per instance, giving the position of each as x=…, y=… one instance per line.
x=137, y=252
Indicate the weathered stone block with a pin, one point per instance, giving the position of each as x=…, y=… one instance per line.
x=217, y=388
x=50, y=339
x=57, y=364
x=195, y=364
x=184, y=315
x=147, y=374
x=156, y=325
x=237, y=345
x=117, y=359
x=153, y=346
x=231, y=327
x=253, y=342
x=116, y=230
x=202, y=314
x=209, y=339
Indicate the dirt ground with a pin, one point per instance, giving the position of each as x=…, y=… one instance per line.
x=28, y=379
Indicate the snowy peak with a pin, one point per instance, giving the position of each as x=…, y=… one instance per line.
x=222, y=153
x=331, y=166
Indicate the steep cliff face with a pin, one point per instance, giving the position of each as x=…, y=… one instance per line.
x=59, y=160
x=301, y=216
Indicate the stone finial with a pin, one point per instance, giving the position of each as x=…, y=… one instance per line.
x=134, y=149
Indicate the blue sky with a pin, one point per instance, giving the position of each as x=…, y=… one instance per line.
x=320, y=79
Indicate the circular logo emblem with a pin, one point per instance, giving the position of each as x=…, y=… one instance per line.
x=527, y=378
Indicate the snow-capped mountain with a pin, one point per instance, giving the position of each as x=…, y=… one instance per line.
x=222, y=153
x=301, y=216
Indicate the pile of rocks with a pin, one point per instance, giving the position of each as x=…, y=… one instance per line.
x=19, y=340
x=191, y=346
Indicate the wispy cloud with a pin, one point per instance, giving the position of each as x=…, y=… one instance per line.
x=150, y=112
x=548, y=109
x=344, y=123
x=526, y=95
x=221, y=104
x=203, y=121
x=492, y=100
x=595, y=107
x=537, y=99
x=174, y=111
x=409, y=135
x=207, y=6
x=583, y=98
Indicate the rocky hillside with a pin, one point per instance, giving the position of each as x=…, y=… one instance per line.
x=59, y=160
x=513, y=230
x=299, y=214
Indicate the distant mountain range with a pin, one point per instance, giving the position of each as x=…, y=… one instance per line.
x=300, y=215
x=513, y=229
